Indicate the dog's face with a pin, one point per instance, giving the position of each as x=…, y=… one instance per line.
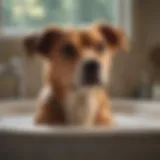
x=78, y=57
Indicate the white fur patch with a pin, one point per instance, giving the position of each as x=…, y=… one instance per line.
x=81, y=107
x=45, y=93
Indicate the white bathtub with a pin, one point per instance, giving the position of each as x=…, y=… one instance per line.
x=127, y=113
x=136, y=134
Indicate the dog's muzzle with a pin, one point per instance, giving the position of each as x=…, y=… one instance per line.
x=90, y=73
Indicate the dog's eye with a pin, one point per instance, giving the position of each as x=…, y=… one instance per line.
x=100, y=47
x=68, y=51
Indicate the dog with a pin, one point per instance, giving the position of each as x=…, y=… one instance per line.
x=77, y=67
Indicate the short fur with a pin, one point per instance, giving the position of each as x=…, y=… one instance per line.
x=61, y=74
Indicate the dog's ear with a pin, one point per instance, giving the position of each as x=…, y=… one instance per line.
x=42, y=43
x=113, y=36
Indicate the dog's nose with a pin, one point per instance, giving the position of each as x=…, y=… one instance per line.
x=91, y=66
x=91, y=72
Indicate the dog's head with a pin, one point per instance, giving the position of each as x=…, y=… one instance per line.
x=78, y=57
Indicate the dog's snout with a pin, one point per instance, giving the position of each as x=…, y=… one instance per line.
x=91, y=66
x=91, y=72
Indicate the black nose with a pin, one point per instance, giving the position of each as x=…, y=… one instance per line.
x=91, y=72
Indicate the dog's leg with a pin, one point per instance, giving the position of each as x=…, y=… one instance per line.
x=104, y=116
x=44, y=115
x=104, y=113
x=48, y=111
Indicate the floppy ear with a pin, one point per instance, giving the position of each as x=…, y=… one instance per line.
x=42, y=43
x=113, y=36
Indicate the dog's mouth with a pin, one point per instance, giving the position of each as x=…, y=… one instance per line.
x=87, y=83
x=90, y=79
x=90, y=74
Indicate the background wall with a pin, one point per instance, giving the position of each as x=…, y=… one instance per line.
x=11, y=46
x=127, y=67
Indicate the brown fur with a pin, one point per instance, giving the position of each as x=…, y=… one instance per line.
x=49, y=111
x=58, y=71
x=104, y=114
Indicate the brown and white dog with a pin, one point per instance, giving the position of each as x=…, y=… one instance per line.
x=76, y=71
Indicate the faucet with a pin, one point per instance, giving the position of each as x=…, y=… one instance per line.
x=14, y=68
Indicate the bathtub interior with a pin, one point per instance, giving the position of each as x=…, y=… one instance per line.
x=127, y=114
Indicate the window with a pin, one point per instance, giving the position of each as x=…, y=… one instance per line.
x=22, y=14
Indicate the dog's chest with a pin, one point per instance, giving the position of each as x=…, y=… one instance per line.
x=81, y=107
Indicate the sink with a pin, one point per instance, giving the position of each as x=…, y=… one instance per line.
x=135, y=135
